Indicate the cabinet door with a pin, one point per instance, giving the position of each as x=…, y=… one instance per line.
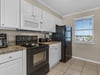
x=28, y=20
x=45, y=25
x=2, y=12
x=52, y=23
x=10, y=13
x=51, y=56
x=11, y=68
x=37, y=13
x=27, y=10
x=54, y=54
x=58, y=21
x=59, y=52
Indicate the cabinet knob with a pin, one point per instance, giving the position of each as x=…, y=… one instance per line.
x=33, y=15
x=2, y=24
x=10, y=57
x=41, y=22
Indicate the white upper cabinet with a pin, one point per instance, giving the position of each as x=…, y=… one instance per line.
x=45, y=25
x=37, y=19
x=58, y=21
x=52, y=23
x=10, y=13
x=48, y=22
x=31, y=11
x=27, y=10
x=37, y=13
x=31, y=17
x=22, y=14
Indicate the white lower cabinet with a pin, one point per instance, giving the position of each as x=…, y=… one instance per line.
x=11, y=68
x=12, y=63
x=54, y=54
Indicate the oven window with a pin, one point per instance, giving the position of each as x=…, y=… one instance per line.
x=39, y=58
x=0, y=42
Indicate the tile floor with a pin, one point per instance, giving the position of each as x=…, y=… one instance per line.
x=75, y=67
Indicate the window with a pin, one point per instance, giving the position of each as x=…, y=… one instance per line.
x=84, y=29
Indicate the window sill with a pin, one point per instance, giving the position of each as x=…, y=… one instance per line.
x=92, y=43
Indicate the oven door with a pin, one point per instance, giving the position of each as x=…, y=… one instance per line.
x=1, y=43
x=37, y=58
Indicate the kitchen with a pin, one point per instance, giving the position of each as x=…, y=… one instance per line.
x=27, y=25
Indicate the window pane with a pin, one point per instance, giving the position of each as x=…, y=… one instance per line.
x=84, y=29
x=84, y=32
x=84, y=35
x=84, y=24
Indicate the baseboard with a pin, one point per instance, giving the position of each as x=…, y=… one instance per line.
x=84, y=59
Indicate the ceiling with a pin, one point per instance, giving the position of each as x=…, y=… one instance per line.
x=66, y=7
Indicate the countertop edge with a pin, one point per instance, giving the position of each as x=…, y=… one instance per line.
x=11, y=49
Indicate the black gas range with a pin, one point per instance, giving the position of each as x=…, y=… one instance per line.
x=37, y=55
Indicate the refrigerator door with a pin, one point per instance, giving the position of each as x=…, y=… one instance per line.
x=61, y=30
x=64, y=34
x=57, y=37
x=68, y=49
x=68, y=34
x=60, y=33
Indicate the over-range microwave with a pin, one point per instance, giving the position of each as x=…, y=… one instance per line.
x=31, y=24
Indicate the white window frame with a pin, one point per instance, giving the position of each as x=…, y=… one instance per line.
x=91, y=42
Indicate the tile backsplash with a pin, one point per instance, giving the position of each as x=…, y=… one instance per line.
x=11, y=34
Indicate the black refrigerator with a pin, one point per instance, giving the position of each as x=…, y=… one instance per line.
x=64, y=35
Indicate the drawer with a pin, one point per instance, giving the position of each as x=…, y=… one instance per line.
x=52, y=46
x=10, y=56
x=55, y=45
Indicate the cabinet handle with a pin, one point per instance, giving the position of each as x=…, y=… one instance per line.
x=2, y=24
x=41, y=22
x=33, y=15
x=10, y=57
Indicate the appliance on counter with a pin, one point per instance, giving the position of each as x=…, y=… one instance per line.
x=43, y=39
x=64, y=34
x=37, y=55
x=47, y=38
x=3, y=40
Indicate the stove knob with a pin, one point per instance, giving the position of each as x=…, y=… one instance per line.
x=33, y=44
x=27, y=44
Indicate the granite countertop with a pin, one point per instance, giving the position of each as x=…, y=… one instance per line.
x=10, y=49
x=49, y=43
